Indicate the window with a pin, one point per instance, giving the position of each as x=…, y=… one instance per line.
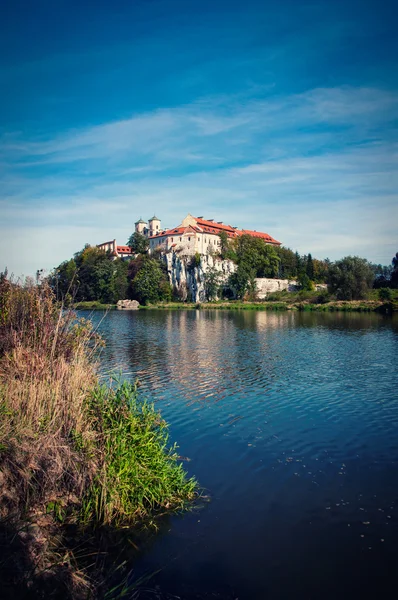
x=171, y=239
x=180, y=239
x=189, y=239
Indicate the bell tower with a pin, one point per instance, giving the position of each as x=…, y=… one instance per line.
x=141, y=227
x=154, y=226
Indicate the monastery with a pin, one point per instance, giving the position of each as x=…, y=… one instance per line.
x=194, y=235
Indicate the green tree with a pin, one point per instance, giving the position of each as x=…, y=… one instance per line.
x=385, y=294
x=305, y=282
x=350, y=278
x=211, y=283
x=309, y=269
x=241, y=281
x=91, y=275
x=226, y=247
x=146, y=284
x=138, y=243
x=394, y=272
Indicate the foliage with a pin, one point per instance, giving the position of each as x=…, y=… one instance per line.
x=292, y=265
x=350, y=278
x=227, y=251
x=385, y=294
x=140, y=468
x=254, y=258
x=71, y=450
x=394, y=272
x=195, y=261
x=146, y=285
x=90, y=276
x=304, y=282
x=309, y=268
x=211, y=283
x=138, y=243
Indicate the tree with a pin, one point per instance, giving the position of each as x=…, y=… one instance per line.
x=350, y=278
x=211, y=283
x=226, y=249
x=138, y=243
x=241, y=281
x=305, y=282
x=146, y=284
x=309, y=269
x=288, y=263
x=394, y=272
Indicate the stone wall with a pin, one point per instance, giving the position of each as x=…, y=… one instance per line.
x=267, y=286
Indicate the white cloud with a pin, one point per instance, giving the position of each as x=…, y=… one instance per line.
x=316, y=170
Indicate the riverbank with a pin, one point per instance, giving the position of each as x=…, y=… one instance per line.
x=75, y=455
x=334, y=306
x=301, y=301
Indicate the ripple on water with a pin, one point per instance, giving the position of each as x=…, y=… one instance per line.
x=289, y=421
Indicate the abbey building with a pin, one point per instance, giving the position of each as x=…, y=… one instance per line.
x=193, y=235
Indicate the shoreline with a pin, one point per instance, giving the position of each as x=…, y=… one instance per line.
x=287, y=305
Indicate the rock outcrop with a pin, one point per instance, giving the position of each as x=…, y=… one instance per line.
x=127, y=305
x=187, y=276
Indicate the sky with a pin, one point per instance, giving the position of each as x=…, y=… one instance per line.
x=275, y=116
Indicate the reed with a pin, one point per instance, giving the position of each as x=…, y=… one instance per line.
x=73, y=451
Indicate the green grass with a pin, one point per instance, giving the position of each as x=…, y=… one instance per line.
x=93, y=305
x=141, y=474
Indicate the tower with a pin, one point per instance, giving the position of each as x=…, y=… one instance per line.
x=141, y=227
x=154, y=226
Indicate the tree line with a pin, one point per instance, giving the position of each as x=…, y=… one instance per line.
x=95, y=275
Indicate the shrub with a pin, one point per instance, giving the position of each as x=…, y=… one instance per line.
x=385, y=294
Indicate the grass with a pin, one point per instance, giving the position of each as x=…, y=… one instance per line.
x=93, y=305
x=140, y=474
x=72, y=452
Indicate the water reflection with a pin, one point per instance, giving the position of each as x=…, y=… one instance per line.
x=290, y=422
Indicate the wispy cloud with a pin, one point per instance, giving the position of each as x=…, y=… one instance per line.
x=317, y=170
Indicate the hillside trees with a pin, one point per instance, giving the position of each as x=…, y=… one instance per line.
x=148, y=280
x=350, y=278
x=138, y=243
x=254, y=258
x=394, y=272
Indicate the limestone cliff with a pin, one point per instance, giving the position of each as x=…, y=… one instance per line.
x=188, y=278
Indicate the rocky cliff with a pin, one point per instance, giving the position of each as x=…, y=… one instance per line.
x=188, y=278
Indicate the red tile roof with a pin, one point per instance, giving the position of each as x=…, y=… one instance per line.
x=124, y=249
x=205, y=226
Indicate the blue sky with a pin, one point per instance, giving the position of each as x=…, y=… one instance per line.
x=275, y=116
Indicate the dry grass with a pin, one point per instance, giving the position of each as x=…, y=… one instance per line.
x=72, y=452
x=45, y=376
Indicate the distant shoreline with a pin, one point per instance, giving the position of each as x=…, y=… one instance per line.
x=333, y=306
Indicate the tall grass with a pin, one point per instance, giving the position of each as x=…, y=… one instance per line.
x=72, y=450
x=140, y=474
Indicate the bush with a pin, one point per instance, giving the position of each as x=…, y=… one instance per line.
x=350, y=278
x=385, y=294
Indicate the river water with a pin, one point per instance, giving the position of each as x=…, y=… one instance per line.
x=289, y=421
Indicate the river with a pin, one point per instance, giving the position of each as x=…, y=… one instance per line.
x=289, y=421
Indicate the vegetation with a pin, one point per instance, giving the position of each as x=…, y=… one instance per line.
x=94, y=276
x=138, y=243
x=350, y=278
x=71, y=450
x=212, y=284
x=150, y=283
